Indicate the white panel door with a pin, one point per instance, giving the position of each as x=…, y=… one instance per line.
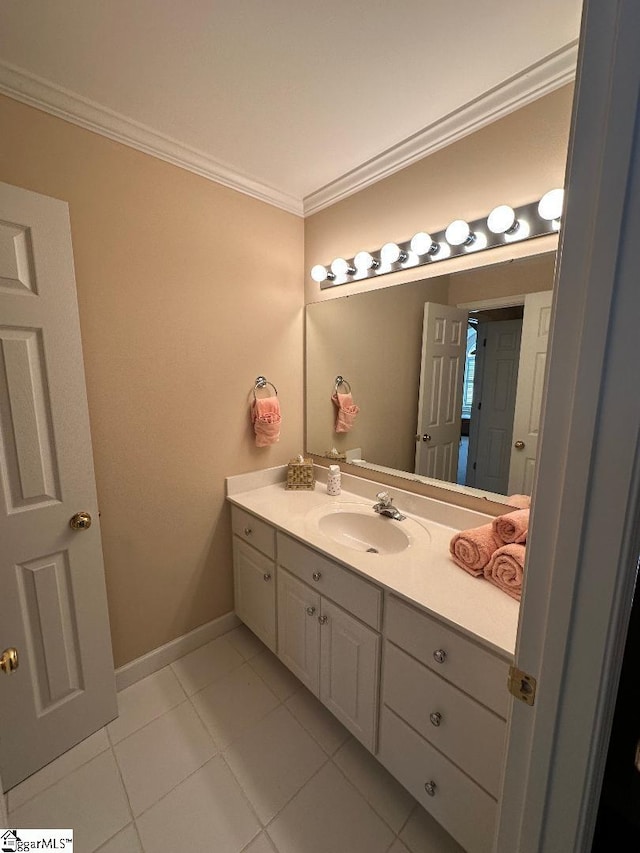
x=350, y=672
x=526, y=422
x=53, y=607
x=299, y=629
x=444, y=342
x=255, y=591
x=494, y=409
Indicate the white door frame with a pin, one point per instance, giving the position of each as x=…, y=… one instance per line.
x=585, y=529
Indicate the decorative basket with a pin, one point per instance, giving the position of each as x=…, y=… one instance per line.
x=300, y=474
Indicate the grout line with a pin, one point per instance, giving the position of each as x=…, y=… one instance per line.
x=308, y=782
x=364, y=795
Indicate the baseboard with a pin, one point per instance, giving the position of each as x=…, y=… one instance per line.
x=154, y=660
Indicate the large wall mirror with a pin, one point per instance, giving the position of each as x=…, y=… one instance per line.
x=447, y=374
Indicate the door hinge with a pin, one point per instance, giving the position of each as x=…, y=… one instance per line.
x=484, y=342
x=522, y=685
x=479, y=405
x=474, y=466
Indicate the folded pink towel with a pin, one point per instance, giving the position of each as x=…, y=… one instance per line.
x=346, y=411
x=512, y=527
x=506, y=569
x=266, y=419
x=519, y=501
x=472, y=549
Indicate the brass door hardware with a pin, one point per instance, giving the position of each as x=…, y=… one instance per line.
x=519, y=445
x=80, y=521
x=522, y=685
x=9, y=660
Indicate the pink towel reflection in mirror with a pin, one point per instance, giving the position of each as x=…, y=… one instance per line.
x=346, y=411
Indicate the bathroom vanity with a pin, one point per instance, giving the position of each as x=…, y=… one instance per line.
x=407, y=650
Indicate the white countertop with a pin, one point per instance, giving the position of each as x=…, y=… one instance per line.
x=423, y=574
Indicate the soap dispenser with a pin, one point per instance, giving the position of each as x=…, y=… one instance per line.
x=333, y=480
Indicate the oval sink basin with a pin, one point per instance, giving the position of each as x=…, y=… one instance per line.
x=370, y=533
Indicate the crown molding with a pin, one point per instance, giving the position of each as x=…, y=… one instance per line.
x=40, y=93
x=550, y=73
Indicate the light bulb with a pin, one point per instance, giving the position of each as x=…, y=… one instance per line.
x=340, y=267
x=550, y=205
x=422, y=244
x=391, y=252
x=479, y=242
x=502, y=220
x=458, y=233
x=364, y=261
x=320, y=273
x=444, y=250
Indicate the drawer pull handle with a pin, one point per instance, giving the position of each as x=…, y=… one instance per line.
x=266, y=576
x=440, y=655
x=323, y=620
x=311, y=611
x=316, y=576
x=430, y=788
x=248, y=531
x=436, y=718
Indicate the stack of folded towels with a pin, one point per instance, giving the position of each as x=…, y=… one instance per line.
x=496, y=551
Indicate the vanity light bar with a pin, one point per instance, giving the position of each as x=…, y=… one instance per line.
x=503, y=225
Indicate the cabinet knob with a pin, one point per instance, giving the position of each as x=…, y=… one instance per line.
x=436, y=718
x=430, y=788
x=316, y=576
x=266, y=576
x=248, y=531
x=440, y=655
x=322, y=619
x=311, y=611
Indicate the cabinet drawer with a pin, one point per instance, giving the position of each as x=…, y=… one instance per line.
x=471, y=735
x=466, y=811
x=254, y=531
x=332, y=580
x=458, y=659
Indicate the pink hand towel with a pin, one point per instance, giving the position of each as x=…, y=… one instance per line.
x=266, y=419
x=472, y=549
x=519, y=501
x=346, y=411
x=512, y=527
x=506, y=569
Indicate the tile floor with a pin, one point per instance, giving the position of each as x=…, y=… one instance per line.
x=224, y=751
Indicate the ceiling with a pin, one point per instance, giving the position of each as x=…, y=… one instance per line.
x=299, y=103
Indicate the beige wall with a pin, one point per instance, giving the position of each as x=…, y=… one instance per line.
x=187, y=291
x=514, y=278
x=514, y=161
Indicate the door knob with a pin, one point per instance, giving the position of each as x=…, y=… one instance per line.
x=80, y=521
x=9, y=660
x=426, y=437
x=519, y=445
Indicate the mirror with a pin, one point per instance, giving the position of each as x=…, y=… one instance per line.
x=446, y=405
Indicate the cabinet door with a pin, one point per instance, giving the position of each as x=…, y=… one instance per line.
x=349, y=672
x=299, y=629
x=255, y=591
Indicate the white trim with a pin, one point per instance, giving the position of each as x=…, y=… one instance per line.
x=37, y=92
x=158, y=658
x=584, y=533
x=497, y=302
x=532, y=83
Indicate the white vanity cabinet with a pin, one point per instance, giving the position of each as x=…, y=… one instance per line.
x=442, y=726
x=254, y=572
x=430, y=700
x=322, y=638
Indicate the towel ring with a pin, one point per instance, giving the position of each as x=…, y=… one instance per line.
x=340, y=380
x=261, y=382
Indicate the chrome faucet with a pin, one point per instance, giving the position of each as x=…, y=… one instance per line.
x=385, y=507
